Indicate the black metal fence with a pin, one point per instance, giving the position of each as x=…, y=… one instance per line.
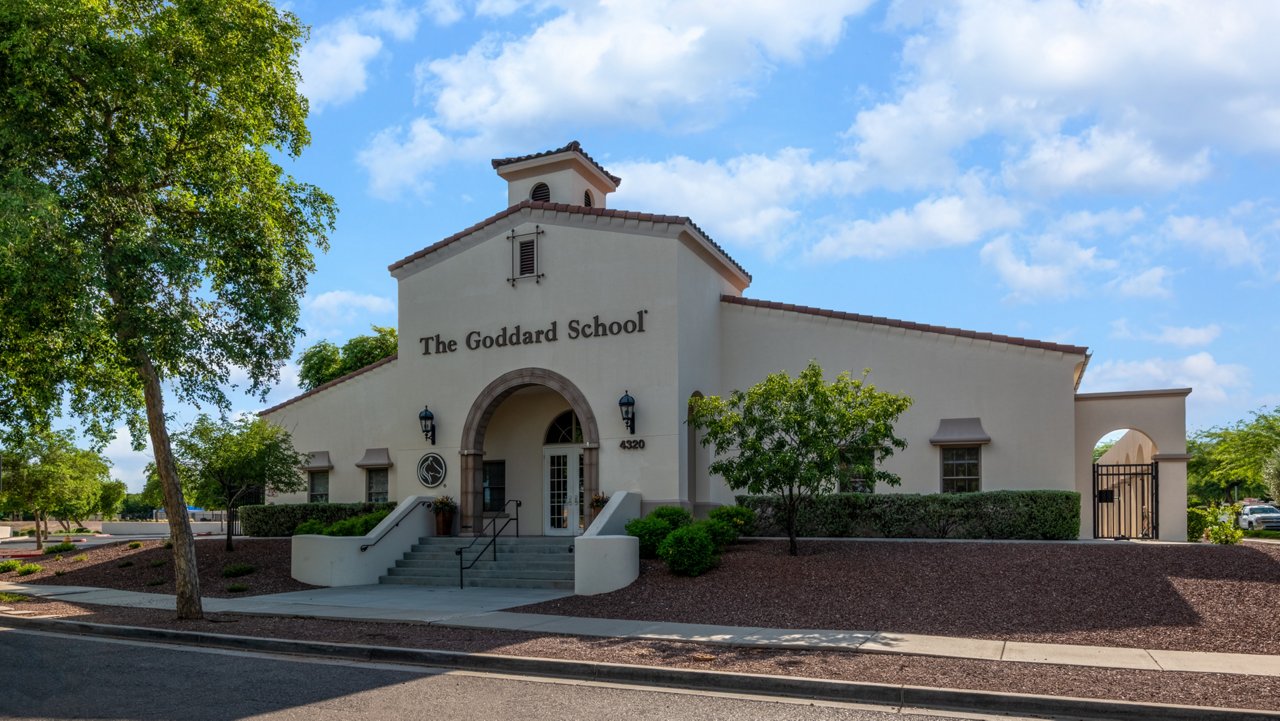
x=1125, y=497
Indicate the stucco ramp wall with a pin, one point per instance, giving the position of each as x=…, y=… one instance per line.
x=1159, y=414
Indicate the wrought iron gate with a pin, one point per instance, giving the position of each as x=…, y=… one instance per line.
x=1125, y=500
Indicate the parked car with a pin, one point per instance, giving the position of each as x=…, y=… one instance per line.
x=1264, y=517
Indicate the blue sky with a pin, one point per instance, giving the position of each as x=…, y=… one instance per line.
x=1099, y=173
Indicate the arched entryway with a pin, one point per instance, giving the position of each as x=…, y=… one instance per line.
x=477, y=424
x=1126, y=485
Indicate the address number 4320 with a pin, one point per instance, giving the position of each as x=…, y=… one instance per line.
x=632, y=444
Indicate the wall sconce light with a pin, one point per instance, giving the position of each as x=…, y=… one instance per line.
x=427, y=420
x=627, y=405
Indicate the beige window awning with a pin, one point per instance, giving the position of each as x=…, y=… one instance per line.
x=375, y=458
x=318, y=461
x=960, y=432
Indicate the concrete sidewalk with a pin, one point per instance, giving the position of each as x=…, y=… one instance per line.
x=484, y=608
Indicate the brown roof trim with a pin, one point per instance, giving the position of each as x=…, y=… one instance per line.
x=330, y=384
x=566, y=208
x=1157, y=393
x=573, y=146
x=907, y=325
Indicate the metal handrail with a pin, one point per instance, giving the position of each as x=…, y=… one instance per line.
x=367, y=546
x=493, y=540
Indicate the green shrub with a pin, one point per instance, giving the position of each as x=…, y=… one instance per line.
x=357, y=526
x=9, y=564
x=135, y=544
x=651, y=531
x=168, y=544
x=157, y=563
x=721, y=533
x=236, y=570
x=1261, y=533
x=13, y=597
x=82, y=530
x=311, y=527
x=27, y=569
x=80, y=558
x=59, y=548
x=58, y=573
x=1222, y=528
x=283, y=519
x=155, y=582
x=689, y=551
x=237, y=588
x=1032, y=515
x=124, y=564
x=1198, y=519
x=741, y=518
x=675, y=516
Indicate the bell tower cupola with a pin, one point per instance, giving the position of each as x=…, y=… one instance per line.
x=564, y=175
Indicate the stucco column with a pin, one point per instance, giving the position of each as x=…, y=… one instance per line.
x=591, y=473
x=470, y=496
x=1172, y=468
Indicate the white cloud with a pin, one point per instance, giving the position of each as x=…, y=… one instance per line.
x=945, y=221
x=401, y=22
x=444, y=12
x=1101, y=161
x=1212, y=381
x=1090, y=223
x=397, y=159
x=1184, y=336
x=334, y=64
x=1088, y=96
x=713, y=192
x=1223, y=240
x=1150, y=283
x=328, y=313
x=1050, y=267
x=622, y=64
x=127, y=464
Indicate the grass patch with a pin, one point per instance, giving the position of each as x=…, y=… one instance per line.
x=155, y=582
x=237, y=588
x=81, y=558
x=9, y=564
x=13, y=597
x=124, y=564
x=157, y=563
x=135, y=544
x=1260, y=533
x=59, y=548
x=236, y=570
x=27, y=569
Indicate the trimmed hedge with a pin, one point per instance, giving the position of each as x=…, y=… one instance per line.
x=651, y=531
x=1032, y=515
x=689, y=550
x=675, y=516
x=283, y=519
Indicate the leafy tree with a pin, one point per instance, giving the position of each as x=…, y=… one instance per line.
x=1228, y=462
x=111, y=500
x=233, y=462
x=135, y=507
x=1271, y=474
x=801, y=437
x=148, y=237
x=1101, y=449
x=324, y=361
x=47, y=475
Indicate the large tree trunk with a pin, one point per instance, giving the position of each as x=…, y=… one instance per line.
x=186, y=575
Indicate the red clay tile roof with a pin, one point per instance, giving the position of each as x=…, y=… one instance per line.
x=908, y=325
x=330, y=384
x=566, y=208
x=573, y=146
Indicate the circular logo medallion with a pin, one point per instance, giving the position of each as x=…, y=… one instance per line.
x=431, y=470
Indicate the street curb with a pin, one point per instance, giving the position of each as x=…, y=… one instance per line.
x=942, y=699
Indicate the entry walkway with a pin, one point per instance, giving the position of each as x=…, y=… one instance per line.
x=484, y=608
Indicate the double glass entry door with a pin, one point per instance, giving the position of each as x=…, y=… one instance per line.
x=562, y=491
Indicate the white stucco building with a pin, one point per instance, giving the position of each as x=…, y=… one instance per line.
x=522, y=332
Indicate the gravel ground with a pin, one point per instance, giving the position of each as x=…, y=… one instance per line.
x=1195, y=597
x=1144, y=686
x=150, y=568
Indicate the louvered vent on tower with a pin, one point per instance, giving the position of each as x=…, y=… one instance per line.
x=541, y=192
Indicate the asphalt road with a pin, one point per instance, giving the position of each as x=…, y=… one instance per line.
x=46, y=676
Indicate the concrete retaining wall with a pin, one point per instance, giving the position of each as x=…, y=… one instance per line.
x=338, y=560
x=605, y=558
x=157, y=528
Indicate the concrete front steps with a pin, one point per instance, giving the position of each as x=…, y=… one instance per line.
x=529, y=562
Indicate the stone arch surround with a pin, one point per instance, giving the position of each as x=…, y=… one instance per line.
x=477, y=423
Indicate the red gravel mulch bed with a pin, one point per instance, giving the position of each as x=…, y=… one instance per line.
x=1201, y=689
x=1195, y=597
x=150, y=568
